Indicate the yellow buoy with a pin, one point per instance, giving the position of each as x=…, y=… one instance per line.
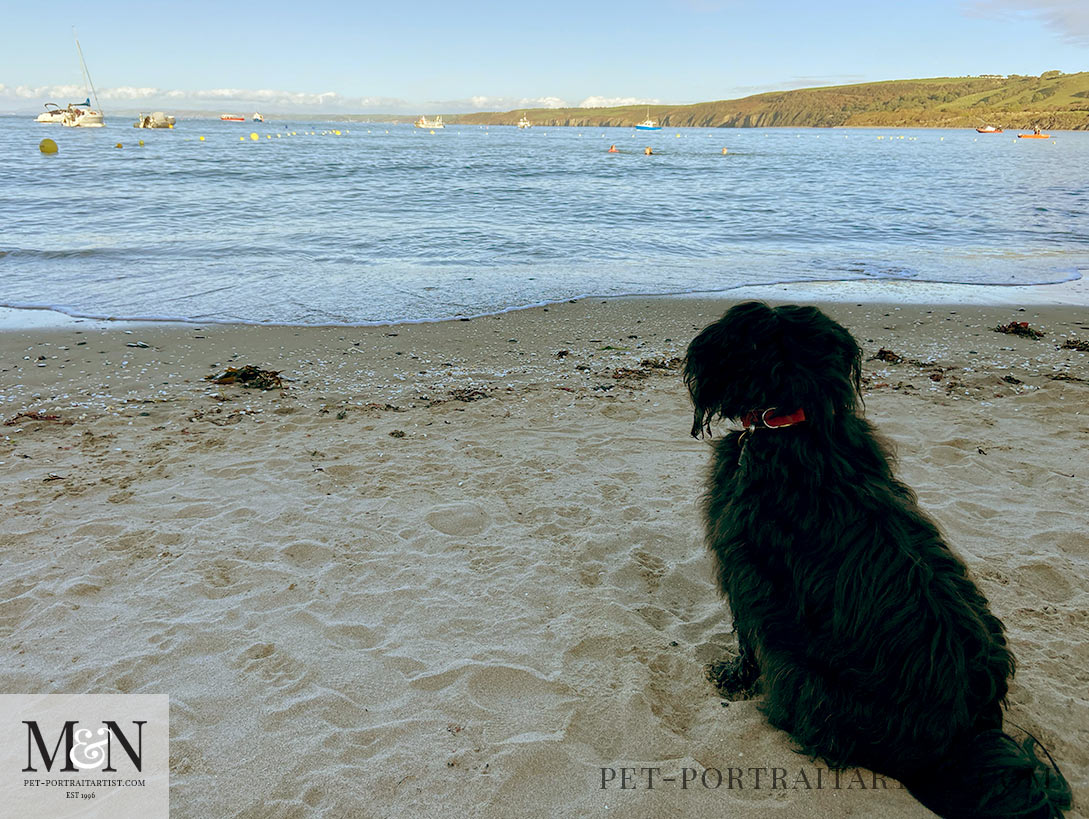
x=254, y=136
x=268, y=136
x=241, y=139
x=47, y=146
x=118, y=145
x=723, y=151
x=202, y=139
x=432, y=133
x=141, y=143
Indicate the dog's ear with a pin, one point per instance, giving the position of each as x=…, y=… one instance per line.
x=825, y=363
x=700, y=366
x=719, y=362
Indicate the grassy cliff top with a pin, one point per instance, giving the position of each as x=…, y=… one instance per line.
x=1051, y=100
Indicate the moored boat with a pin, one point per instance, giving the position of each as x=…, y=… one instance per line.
x=1036, y=134
x=51, y=115
x=232, y=118
x=82, y=115
x=76, y=117
x=155, y=120
x=257, y=117
x=424, y=122
x=648, y=124
x=988, y=129
x=524, y=123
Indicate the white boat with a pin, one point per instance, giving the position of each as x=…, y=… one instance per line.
x=524, y=123
x=424, y=122
x=156, y=120
x=257, y=117
x=51, y=115
x=82, y=115
x=76, y=116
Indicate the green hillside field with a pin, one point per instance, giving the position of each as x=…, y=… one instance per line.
x=1052, y=100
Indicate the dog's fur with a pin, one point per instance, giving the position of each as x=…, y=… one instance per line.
x=861, y=629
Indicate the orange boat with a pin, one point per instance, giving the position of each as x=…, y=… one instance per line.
x=1034, y=136
x=989, y=129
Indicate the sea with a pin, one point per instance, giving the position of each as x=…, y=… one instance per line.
x=307, y=222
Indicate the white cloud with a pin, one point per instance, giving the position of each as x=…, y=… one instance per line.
x=545, y=102
x=1068, y=18
x=613, y=102
x=127, y=93
x=25, y=98
x=47, y=92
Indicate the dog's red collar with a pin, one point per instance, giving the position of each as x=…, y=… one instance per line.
x=765, y=418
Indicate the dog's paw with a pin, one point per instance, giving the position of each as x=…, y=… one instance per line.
x=735, y=678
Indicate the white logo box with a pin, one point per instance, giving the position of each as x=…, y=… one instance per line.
x=64, y=756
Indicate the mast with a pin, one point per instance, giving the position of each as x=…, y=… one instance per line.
x=86, y=73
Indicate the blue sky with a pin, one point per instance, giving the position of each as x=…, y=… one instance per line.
x=423, y=56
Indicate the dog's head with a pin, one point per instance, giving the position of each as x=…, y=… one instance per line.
x=757, y=357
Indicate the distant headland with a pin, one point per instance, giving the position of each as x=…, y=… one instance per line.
x=1052, y=100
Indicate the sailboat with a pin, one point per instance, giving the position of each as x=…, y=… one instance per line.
x=524, y=122
x=82, y=115
x=648, y=124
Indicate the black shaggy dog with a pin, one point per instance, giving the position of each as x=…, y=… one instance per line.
x=870, y=644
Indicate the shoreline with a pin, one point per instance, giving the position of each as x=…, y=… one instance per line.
x=458, y=566
x=1073, y=292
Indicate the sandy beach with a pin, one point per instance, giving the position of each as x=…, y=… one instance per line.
x=457, y=570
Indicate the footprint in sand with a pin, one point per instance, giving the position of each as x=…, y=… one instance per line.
x=1047, y=581
x=675, y=692
x=619, y=412
x=307, y=554
x=651, y=568
x=273, y=664
x=458, y=519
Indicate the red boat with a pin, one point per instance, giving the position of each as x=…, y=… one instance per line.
x=989, y=129
x=232, y=118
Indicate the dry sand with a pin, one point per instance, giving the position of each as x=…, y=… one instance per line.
x=456, y=569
